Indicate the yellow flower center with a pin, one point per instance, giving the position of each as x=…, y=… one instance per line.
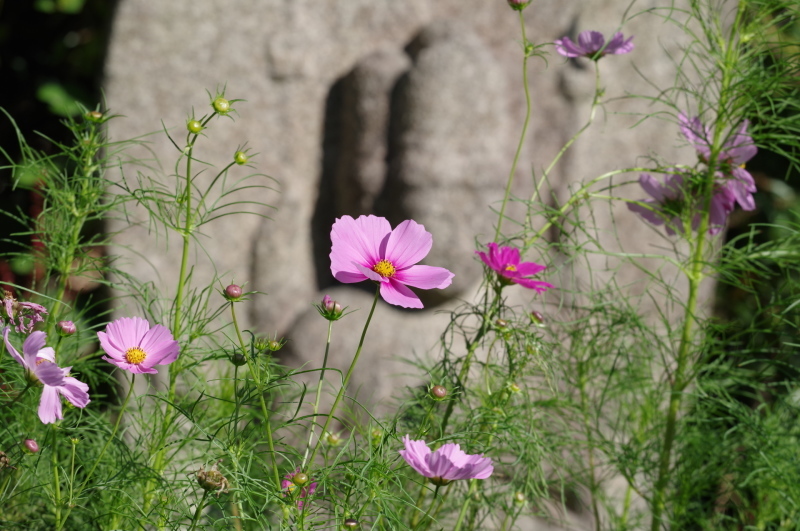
x=384, y=268
x=510, y=267
x=135, y=355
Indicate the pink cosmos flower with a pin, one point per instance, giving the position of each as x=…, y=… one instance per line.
x=40, y=365
x=368, y=249
x=288, y=484
x=671, y=198
x=738, y=149
x=132, y=345
x=445, y=464
x=593, y=45
x=505, y=261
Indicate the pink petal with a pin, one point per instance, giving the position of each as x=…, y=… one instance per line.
x=650, y=185
x=49, y=374
x=398, y=294
x=528, y=269
x=696, y=133
x=50, y=405
x=368, y=273
x=408, y=243
x=160, y=347
x=567, y=48
x=536, y=285
x=425, y=277
x=11, y=349
x=618, y=45
x=357, y=241
x=135, y=368
x=591, y=41
x=415, y=454
x=740, y=147
x=75, y=391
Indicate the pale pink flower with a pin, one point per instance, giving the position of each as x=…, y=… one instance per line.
x=40, y=365
x=368, y=249
x=506, y=262
x=446, y=464
x=132, y=345
x=593, y=45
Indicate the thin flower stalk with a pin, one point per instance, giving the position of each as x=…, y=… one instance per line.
x=99, y=457
x=346, y=380
x=318, y=395
x=527, y=53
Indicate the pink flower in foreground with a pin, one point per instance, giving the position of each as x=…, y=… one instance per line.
x=40, y=364
x=738, y=149
x=132, y=345
x=445, y=464
x=505, y=261
x=368, y=249
x=673, y=197
x=298, y=480
x=593, y=45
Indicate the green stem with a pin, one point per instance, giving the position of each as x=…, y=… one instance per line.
x=318, y=395
x=347, y=376
x=56, y=482
x=430, y=512
x=80, y=489
x=199, y=510
x=582, y=377
x=510, y=180
x=473, y=487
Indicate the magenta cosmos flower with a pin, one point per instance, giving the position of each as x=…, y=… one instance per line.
x=290, y=485
x=446, y=464
x=737, y=149
x=670, y=199
x=132, y=345
x=593, y=45
x=40, y=365
x=505, y=261
x=368, y=249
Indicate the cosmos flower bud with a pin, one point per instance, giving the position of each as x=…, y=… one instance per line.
x=31, y=445
x=330, y=309
x=221, y=105
x=519, y=498
x=501, y=323
x=240, y=158
x=537, y=318
x=350, y=523
x=233, y=292
x=194, y=126
x=518, y=5
x=438, y=392
x=238, y=359
x=334, y=439
x=94, y=116
x=66, y=328
x=300, y=479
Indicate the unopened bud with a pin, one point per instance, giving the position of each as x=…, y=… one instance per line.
x=350, y=523
x=513, y=387
x=518, y=5
x=438, y=392
x=537, y=318
x=240, y=157
x=300, y=479
x=274, y=345
x=330, y=309
x=238, y=359
x=519, y=498
x=31, y=445
x=194, y=126
x=66, y=328
x=334, y=439
x=501, y=323
x=221, y=105
x=94, y=116
x=233, y=292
